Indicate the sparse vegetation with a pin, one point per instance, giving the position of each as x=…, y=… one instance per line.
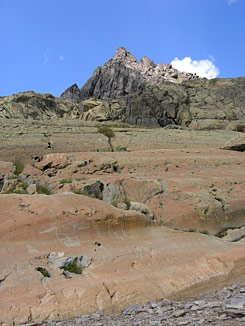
x=204, y=232
x=127, y=203
x=74, y=266
x=114, y=201
x=222, y=233
x=80, y=192
x=66, y=181
x=43, y=271
x=108, y=132
x=13, y=191
x=23, y=185
x=43, y=190
x=19, y=167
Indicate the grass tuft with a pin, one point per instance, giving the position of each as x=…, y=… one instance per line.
x=43, y=190
x=19, y=167
x=66, y=181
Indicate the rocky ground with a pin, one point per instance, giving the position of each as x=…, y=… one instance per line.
x=160, y=217
x=22, y=140
x=226, y=307
x=163, y=222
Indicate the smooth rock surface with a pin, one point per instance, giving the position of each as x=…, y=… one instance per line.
x=134, y=263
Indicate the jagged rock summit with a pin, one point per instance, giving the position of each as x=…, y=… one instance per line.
x=122, y=75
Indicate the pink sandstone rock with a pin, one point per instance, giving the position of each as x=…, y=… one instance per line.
x=131, y=260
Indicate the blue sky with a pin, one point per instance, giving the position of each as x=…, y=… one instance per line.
x=47, y=45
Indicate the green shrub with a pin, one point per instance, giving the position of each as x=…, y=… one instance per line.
x=66, y=181
x=74, y=266
x=19, y=167
x=127, y=203
x=43, y=190
x=108, y=132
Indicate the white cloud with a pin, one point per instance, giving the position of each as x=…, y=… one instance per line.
x=61, y=57
x=230, y=2
x=203, y=68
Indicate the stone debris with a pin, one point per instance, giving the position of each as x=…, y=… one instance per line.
x=223, y=308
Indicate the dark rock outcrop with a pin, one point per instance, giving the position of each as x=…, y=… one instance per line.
x=31, y=105
x=123, y=75
x=199, y=104
x=72, y=94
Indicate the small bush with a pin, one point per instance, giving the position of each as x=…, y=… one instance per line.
x=106, y=131
x=19, y=167
x=66, y=181
x=127, y=203
x=43, y=190
x=74, y=266
x=80, y=192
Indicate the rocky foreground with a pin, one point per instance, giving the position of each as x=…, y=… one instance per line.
x=219, y=309
x=137, y=226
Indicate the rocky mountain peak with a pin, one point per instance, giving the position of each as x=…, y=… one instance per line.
x=72, y=94
x=122, y=54
x=122, y=75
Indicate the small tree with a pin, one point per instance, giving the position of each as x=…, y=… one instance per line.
x=109, y=133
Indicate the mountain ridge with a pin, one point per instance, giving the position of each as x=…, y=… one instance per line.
x=122, y=75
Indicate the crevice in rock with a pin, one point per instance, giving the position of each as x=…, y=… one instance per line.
x=4, y=278
x=111, y=295
x=1, y=183
x=43, y=271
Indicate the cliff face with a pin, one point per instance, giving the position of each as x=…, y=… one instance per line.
x=199, y=104
x=196, y=104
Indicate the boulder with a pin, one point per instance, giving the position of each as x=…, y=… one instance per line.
x=31, y=189
x=236, y=144
x=142, y=208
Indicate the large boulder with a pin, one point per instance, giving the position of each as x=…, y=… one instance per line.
x=236, y=144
